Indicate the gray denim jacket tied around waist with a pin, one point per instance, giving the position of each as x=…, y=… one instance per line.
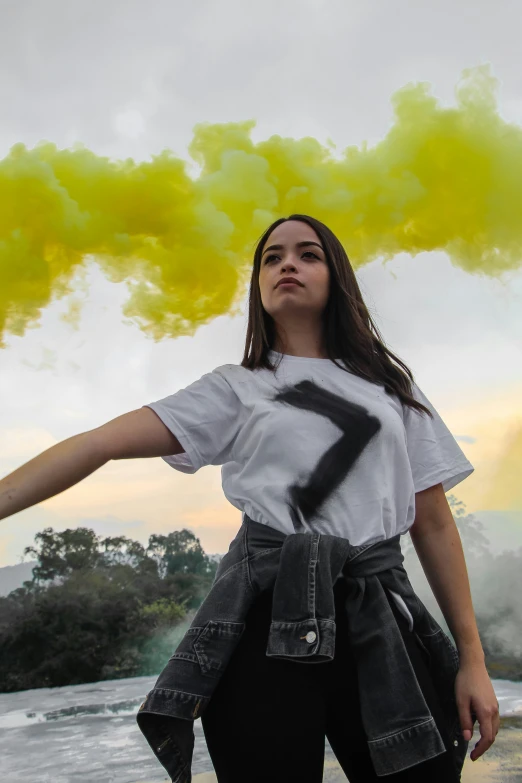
x=302, y=569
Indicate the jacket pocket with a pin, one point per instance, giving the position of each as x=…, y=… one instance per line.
x=215, y=644
x=185, y=649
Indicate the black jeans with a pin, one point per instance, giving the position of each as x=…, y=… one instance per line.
x=268, y=718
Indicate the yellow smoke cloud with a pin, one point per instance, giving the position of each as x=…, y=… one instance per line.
x=442, y=179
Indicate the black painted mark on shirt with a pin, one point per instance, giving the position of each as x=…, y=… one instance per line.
x=358, y=427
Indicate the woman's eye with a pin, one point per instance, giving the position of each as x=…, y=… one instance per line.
x=307, y=253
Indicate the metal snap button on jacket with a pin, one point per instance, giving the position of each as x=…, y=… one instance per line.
x=311, y=636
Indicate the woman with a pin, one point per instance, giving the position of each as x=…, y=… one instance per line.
x=320, y=434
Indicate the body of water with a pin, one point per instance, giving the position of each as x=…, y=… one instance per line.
x=88, y=733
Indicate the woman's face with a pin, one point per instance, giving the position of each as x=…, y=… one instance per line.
x=304, y=262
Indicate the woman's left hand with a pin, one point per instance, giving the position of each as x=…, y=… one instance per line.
x=474, y=693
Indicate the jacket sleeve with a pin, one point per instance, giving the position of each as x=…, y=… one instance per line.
x=205, y=417
x=434, y=454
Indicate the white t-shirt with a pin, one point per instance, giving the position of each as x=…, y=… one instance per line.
x=336, y=454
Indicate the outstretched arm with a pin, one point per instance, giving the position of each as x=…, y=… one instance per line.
x=139, y=433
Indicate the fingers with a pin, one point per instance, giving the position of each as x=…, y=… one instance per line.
x=466, y=723
x=489, y=723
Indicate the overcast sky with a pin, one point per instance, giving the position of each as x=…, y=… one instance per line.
x=128, y=79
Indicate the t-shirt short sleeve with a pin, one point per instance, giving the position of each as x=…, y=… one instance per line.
x=205, y=417
x=434, y=454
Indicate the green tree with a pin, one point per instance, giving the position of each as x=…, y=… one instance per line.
x=180, y=552
x=58, y=554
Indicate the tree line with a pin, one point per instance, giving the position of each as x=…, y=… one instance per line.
x=106, y=608
x=100, y=608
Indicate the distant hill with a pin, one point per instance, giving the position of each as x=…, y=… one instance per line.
x=12, y=577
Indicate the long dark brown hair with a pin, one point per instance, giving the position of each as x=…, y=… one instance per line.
x=349, y=331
